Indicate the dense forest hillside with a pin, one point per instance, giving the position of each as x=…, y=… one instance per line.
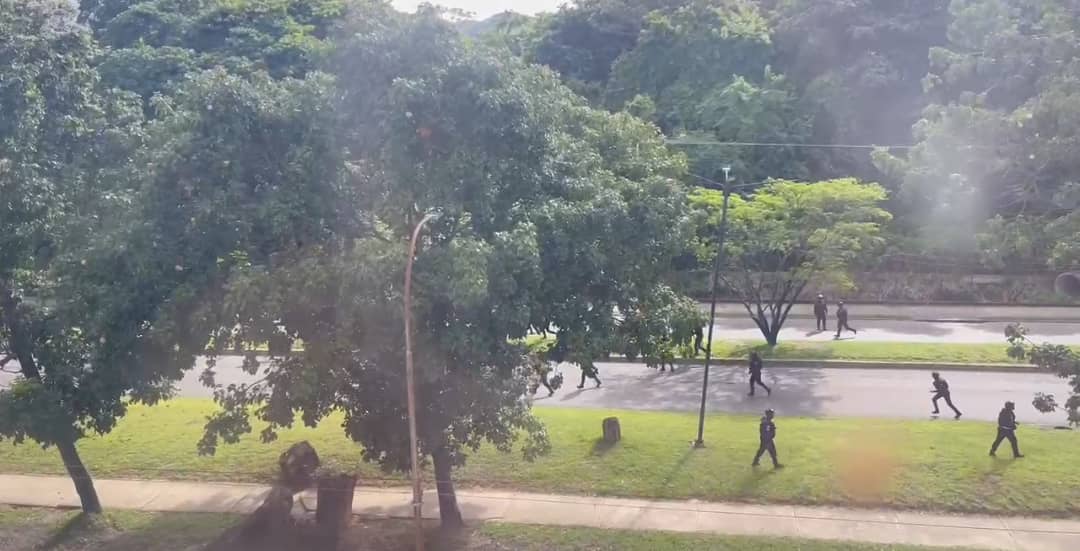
x=973, y=105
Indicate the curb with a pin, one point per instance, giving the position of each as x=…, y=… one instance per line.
x=794, y=363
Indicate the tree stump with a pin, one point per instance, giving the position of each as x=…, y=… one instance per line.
x=298, y=465
x=334, y=511
x=612, y=432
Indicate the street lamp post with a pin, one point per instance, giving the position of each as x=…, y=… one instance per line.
x=722, y=234
x=410, y=391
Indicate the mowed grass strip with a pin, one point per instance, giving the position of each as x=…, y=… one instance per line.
x=858, y=350
x=868, y=351
x=940, y=465
x=541, y=538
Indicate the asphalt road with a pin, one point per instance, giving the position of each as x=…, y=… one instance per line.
x=816, y=392
x=813, y=392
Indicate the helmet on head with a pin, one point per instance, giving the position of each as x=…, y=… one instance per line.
x=1010, y=405
x=820, y=295
x=769, y=412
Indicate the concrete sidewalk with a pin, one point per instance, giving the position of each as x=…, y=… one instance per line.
x=867, y=525
x=923, y=312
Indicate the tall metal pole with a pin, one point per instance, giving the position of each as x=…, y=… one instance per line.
x=700, y=442
x=410, y=390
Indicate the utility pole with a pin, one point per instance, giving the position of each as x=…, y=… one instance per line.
x=722, y=233
x=410, y=390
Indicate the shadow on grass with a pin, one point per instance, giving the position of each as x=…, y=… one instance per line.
x=676, y=468
x=749, y=487
x=601, y=447
x=807, y=351
x=78, y=527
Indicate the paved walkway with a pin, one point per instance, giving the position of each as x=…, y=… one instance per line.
x=906, y=331
x=924, y=312
x=876, y=526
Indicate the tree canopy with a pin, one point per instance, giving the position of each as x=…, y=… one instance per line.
x=788, y=234
x=551, y=216
x=981, y=88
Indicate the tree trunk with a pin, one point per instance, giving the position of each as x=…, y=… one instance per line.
x=22, y=346
x=449, y=513
x=84, y=484
x=772, y=336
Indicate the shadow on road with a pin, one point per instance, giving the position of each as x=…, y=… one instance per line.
x=796, y=391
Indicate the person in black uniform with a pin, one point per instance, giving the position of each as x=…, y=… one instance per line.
x=767, y=433
x=841, y=319
x=1007, y=430
x=821, y=312
x=941, y=390
x=755, y=373
x=699, y=339
x=589, y=370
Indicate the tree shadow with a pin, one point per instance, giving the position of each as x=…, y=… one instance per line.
x=802, y=391
x=80, y=526
x=750, y=484
x=677, y=468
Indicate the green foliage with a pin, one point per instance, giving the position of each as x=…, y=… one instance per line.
x=1060, y=360
x=583, y=40
x=1001, y=134
x=787, y=234
x=154, y=44
x=858, y=65
x=552, y=216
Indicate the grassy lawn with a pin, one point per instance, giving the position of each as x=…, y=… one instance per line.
x=925, y=464
x=55, y=530
x=989, y=353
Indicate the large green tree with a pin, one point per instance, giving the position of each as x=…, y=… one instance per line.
x=551, y=215
x=859, y=66
x=788, y=234
x=88, y=322
x=52, y=126
x=1000, y=134
x=584, y=38
x=705, y=69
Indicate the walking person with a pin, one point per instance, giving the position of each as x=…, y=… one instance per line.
x=540, y=369
x=821, y=313
x=941, y=390
x=767, y=434
x=589, y=370
x=699, y=339
x=756, y=366
x=841, y=319
x=1007, y=430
